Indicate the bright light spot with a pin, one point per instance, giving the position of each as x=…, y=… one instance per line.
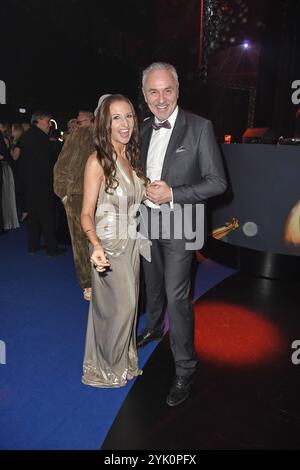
x=22, y=110
x=246, y=45
x=250, y=229
x=54, y=123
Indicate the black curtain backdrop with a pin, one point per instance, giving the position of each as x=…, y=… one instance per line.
x=279, y=67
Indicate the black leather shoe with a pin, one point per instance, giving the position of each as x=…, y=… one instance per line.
x=147, y=336
x=180, y=390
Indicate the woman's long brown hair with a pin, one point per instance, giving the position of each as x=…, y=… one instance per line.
x=105, y=149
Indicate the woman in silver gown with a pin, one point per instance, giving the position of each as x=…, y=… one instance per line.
x=113, y=189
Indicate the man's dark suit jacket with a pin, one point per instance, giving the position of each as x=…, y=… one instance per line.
x=192, y=166
x=38, y=158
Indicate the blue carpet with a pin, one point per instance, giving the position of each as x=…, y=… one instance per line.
x=43, y=404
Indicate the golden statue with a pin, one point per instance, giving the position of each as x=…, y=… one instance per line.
x=221, y=232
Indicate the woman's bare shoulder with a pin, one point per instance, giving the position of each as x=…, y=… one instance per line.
x=94, y=164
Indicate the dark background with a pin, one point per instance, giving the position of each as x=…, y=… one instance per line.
x=63, y=55
x=267, y=203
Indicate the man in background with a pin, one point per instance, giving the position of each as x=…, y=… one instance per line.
x=68, y=185
x=85, y=119
x=38, y=158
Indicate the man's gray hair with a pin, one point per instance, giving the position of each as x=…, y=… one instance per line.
x=88, y=114
x=37, y=115
x=160, y=66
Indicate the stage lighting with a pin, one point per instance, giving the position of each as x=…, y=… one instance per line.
x=246, y=45
x=22, y=110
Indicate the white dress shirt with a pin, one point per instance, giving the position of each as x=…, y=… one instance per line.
x=157, y=150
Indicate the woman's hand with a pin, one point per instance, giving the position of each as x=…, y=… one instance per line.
x=145, y=197
x=99, y=259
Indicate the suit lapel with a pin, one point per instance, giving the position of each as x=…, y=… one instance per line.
x=145, y=142
x=176, y=138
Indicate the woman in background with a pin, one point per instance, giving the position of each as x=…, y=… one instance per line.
x=9, y=209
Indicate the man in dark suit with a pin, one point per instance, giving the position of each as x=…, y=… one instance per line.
x=181, y=158
x=38, y=159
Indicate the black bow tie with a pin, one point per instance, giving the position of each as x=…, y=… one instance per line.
x=165, y=124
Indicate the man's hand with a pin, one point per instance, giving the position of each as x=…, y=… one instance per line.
x=159, y=192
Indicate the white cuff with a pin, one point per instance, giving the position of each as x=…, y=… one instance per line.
x=172, y=201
